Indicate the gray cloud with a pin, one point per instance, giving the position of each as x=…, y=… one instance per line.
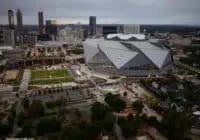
x=107, y=11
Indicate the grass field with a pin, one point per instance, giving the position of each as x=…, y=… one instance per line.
x=51, y=81
x=43, y=74
x=43, y=77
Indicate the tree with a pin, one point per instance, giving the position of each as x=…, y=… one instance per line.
x=125, y=93
x=39, y=92
x=72, y=133
x=78, y=131
x=49, y=91
x=138, y=105
x=99, y=111
x=62, y=112
x=153, y=121
x=26, y=130
x=26, y=103
x=48, y=125
x=198, y=76
x=11, y=118
x=176, y=125
x=5, y=129
x=78, y=113
x=108, y=122
x=36, y=109
x=130, y=126
x=115, y=102
x=92, y=130
x=20, y=119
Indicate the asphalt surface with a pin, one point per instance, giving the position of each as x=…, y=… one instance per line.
x=71, y=95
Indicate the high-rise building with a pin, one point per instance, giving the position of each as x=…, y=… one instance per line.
x=92, y=26
x=11, y=19
x=110, y=29
x=131, y=29
x=1, y=37
x=9, y=37
x=40, y=22
x=19, y=19
x=19, y=29
x=51, y=27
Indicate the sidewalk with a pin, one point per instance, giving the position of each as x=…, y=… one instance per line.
x=25, y=80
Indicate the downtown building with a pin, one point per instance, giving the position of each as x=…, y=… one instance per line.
x=92, y=26
x=19, y=29
x=40, y=22
x=131, y=29
x=127, y=55
x=51, y=28
x=11, y=23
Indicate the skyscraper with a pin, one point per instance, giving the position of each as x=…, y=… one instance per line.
x=131, y=29
x=19, y=19
x=40, y=22
x=92, y=26
x=51, y=28
x=9, y=37
x=11, y=19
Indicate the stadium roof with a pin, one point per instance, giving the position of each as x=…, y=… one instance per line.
x=155, y=54
x=120, y=54
x=126, y=36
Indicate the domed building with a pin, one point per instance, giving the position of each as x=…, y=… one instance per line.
x=127, y=55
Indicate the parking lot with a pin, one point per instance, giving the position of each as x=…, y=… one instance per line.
x=70, y=95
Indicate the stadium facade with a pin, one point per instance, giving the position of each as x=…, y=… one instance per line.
x=127, y=55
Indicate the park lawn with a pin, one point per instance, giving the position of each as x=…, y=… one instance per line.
x=40, y=74
x=51, y=81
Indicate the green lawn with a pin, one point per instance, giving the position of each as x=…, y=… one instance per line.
x=44, y=77
x=39, y=74
x=51, y=81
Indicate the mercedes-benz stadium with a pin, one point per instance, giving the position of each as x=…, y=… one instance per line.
x=121, y=55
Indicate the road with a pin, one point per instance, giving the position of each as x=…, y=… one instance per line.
x=178, y=63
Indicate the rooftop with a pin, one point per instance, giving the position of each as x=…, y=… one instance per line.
x=50, y=43
x=119, y=53
x=126, y=36
x=6, y=48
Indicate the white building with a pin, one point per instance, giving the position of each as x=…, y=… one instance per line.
x=131, y=29
x=120, y=55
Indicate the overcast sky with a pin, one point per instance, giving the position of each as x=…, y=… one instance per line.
x=106, y=11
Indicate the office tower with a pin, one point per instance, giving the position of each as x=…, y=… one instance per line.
x=85, y=33
x=51, y=27
x=12, y=36
x=9, y=37
x=11, y=19
x=92, y=26
x=1, y=36
x=110, y=29
x=131, y=29
x=19, y=19
x=19, y=31
x=40, y=22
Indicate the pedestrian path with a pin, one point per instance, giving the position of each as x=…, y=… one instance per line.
x=25, y=80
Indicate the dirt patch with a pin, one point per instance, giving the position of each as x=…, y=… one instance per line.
x=11, y=75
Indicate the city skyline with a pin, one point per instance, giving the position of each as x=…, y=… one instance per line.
x=107, y=11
